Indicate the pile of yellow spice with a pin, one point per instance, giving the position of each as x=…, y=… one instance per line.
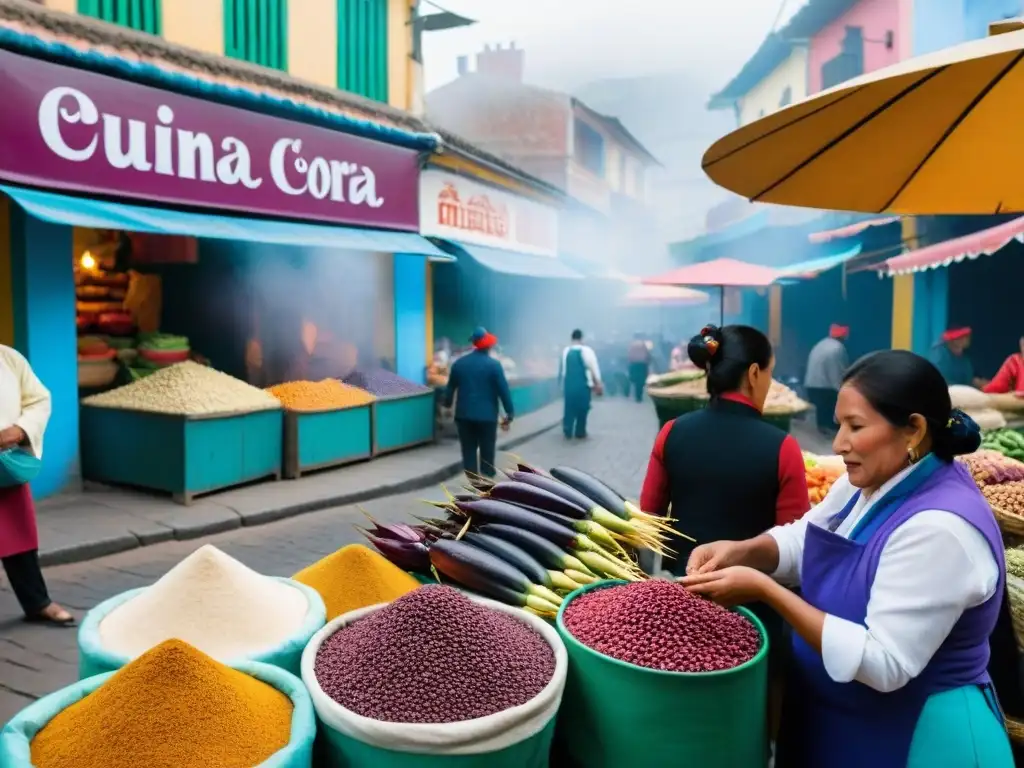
x=172, y=707
x=355, y=577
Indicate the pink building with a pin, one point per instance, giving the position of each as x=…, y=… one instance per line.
x=867, y=35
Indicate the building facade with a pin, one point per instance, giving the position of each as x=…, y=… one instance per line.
x=360, y=46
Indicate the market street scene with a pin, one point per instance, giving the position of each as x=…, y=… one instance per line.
x=579, y=384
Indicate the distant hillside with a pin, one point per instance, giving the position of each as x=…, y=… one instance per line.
x=667, y=113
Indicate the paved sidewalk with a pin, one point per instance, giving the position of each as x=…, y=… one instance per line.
x=36, y=660
x=102, y=520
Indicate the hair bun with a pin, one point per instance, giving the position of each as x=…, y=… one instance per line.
x=960, y=435
x=704, y=346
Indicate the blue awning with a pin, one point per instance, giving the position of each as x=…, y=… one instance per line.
x=99, y=214
x=512, y=262
x=594, y=269
x=813, y=267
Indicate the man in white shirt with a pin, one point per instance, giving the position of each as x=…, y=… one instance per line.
x=579, y=375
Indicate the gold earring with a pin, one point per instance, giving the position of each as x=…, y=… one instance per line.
x=912, y=455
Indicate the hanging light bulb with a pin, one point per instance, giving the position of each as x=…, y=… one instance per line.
x=88, y=261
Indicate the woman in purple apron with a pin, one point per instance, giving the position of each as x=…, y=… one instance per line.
x=902, y=576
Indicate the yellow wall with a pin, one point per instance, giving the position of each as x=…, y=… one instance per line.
x=313, y=41
x=903, y=295
x=68, y=6
x=197, y=24
x=454, y=163
x=400, y=63
x=6, y=287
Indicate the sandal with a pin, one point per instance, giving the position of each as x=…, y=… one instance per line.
x=53, y=615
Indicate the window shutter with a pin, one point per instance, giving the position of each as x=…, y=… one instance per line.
x=363, y=48
x=257, y=31
x=143, y=15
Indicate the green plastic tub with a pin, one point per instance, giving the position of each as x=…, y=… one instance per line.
x=617, y=714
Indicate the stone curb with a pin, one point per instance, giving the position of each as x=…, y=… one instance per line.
x=122, y=542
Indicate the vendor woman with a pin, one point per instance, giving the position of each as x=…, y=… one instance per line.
x=902, y=573
x=1010, y=377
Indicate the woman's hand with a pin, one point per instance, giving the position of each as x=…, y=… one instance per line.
x=714, y=556
x=730, y=586
x=12, y=437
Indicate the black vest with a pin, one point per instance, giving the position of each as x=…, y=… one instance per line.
x=723, y=469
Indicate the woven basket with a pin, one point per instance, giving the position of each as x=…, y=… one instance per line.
x=1015, y=728
x=1009, y=523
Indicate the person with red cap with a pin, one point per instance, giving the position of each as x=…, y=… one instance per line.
x=1010, y=376
x=950, y=357
x=479, y=382
x=826, y=366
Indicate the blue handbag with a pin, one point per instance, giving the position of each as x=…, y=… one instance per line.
x=17, y=467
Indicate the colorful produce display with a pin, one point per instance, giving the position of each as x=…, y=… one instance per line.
x=355, y=577
x=173, y=707
x=211, y=601
x=434, y=656
x=989, y=467
x=782, y=400
x=529, y=540
x=690, y=373
x=384, y=383
x=329, y=394
x=186, y=389
x=1015, y=562
x=659, y=625
x=1008, y=442
x=1006, y=497
x=822, y=472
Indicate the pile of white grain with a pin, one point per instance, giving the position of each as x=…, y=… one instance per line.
x=212, y=602
x=187, y=389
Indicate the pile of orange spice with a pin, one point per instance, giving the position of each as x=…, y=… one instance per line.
x=329, y=394
x=172, y=707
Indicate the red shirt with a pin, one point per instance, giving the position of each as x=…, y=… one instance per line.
x=1010, y=377
x=791, y=504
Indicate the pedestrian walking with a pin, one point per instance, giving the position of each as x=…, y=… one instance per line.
x=477, y=385
x=826, y=366
x=24, y=412
x=579, y=375
x=638, y=355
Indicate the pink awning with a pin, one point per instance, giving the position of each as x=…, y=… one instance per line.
x=664, y=295
x=720, y=272
x=983, y=243
x=850, y=230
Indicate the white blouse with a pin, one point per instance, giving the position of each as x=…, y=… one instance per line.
x=24, y=401
x=933, y=568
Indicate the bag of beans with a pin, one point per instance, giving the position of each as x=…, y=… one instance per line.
x=435, y=654
x=283, y=649
x=17, y=736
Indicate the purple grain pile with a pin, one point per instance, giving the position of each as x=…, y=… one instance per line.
x=659, y=625
x=383, y=383
x=434, y=656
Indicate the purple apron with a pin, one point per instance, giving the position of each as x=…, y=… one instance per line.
x=849, y=725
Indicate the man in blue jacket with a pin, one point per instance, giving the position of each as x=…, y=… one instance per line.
x=479, y=381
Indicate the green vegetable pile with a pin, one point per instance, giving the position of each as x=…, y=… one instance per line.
x=1008, y=442
x=1015, y=562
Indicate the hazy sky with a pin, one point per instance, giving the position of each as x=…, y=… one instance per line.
x=569, y=42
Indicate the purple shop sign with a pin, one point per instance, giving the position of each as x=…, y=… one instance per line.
x=68, y=129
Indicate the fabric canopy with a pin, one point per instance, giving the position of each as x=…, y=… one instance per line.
x=813, y=267
x=512, y=262
x=595, y=269
x=983, y=243
x=932, y=135
x=662, y=295
x=851, y=229
x=99, y=214
x=720, y=272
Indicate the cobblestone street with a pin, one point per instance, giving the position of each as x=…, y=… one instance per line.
x=37, y=660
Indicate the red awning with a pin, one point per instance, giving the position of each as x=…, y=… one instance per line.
x=720, y=272
x=850, y=230
x=983, y=243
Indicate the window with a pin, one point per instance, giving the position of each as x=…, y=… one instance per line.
x=849, y=63
x=257, y=31
x=787, y=97
x=589, y=148
x=143, y=15
x=363, y=48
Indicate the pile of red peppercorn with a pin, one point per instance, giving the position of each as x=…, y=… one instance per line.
x=659, y=625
